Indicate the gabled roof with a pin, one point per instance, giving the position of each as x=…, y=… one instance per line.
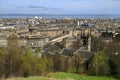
x=84, y=53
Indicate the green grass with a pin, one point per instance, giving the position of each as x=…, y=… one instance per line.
x=60, y=75
x=64, y=76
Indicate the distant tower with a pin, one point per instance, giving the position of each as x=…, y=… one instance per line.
x=78, y=23
x=27, y=20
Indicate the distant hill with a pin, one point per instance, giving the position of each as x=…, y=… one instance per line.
x=12, y=15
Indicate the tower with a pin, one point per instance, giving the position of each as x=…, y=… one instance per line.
x=89, y=41
x=78, y=23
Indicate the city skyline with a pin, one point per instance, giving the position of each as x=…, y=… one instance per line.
x=102, y=7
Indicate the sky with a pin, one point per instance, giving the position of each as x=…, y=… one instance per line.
x=73, y=7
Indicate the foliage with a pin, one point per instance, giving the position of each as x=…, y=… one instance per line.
x=13, y=56
x=2, y=59
x=16, y=61
x=28, y=60
x=100, y=63
x=115, y=65
x=56, y=61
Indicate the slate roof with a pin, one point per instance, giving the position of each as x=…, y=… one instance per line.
x=84, y=53
x=67, y=51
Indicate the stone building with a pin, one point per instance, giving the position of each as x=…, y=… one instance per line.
x=3, y=41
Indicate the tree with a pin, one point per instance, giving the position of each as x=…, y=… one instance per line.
x=13, y=57
x=100, y=63
x=50, y=64
x=56, y=61
x=113, y=51
x=69, y=64
x=43, y=63
x=80, y=63
x=97, y=44
x=115, y=65
x=2, y=62
x=28, y=63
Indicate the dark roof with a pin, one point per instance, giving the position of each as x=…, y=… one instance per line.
x=67, y=51
x=84, y=24
x=87, y=55
x=107, y=34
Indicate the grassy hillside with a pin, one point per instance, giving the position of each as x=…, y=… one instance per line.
x=64, y=76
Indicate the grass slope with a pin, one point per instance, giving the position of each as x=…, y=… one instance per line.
x=64, y=76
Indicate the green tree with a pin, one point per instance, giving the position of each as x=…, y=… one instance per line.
x=50, y=65
x=115, y=64
x=97, y=44
x=80, y=63
x=28, y=63
x=43, y=61
x=44, y=65
x=13, y=57
x=101, y=63
x=113, y=51
x=2, y=62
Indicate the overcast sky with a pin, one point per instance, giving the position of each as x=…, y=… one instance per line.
x=60, y=6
